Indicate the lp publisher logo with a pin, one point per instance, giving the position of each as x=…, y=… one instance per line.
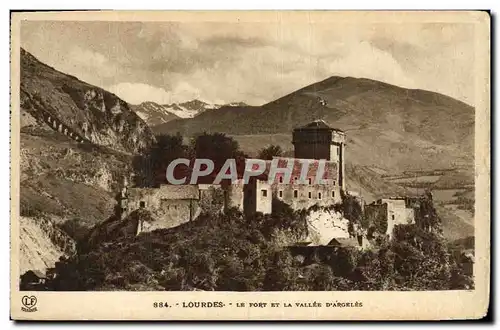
x=29, y=304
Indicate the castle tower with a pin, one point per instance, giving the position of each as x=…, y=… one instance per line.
x=122, y=199
x=317, y=140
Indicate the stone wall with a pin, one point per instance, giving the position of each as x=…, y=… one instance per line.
x=392, y=211
x=303, y=196
x=312, y=151
x=36, y=109
x=257, y=197
x=234, y=195
x=324, y=224
x=171, y=213
x=264, y=197
x=397, y=213
x=169, y=205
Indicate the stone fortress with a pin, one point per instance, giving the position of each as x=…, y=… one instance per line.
x=172, y=205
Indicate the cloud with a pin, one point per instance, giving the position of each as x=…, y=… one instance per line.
x=252, y=62
x=364, y=60
x=79, y=59
x=135, y=93
x=234, y=41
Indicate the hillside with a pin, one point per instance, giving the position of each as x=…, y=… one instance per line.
x=42, y=244
x=387, y=127
x=73, y=106
x=71, y=174
x=65, y=179
x=77, y=143
x=231, y=252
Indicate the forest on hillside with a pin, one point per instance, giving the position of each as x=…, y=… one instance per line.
x=231, y=252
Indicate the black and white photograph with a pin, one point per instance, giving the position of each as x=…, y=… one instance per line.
x=239, y=155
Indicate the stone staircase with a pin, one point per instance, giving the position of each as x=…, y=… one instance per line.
x=36, y=107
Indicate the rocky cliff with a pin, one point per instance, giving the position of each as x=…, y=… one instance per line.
x=42, y=244
x=79, y=110
x=324, y=224
x=70, y=180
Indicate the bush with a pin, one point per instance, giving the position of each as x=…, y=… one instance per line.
x=231, y=252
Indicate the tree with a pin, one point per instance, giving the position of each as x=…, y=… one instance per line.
x=352, y=210
x=150, y=167
x=281, y=275
x=215, y=146
x=269, y=152
x=75, y=229
x=229, y=251
x=375, y=270
x=422, y=260
x=426, y=216
x=322, y=278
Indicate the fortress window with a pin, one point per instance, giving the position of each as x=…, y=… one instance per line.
x=281, y=179
x=393, y=217
x=264, y=192
x=280, y=194
x=295, y=193
x=310, y=180
x=333, y=194
x=319, y=195
x=334, y=182
x=310, y=194
x=142, y=204
x=295, y=180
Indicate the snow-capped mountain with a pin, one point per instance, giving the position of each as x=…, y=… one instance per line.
x=155, y=114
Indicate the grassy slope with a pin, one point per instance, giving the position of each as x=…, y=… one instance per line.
x=454, y=227
x=61, y=178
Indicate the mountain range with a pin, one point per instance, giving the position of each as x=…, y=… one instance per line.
x=155, y=114
x=388, y=127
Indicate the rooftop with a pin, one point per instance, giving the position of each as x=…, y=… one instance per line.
x=345, y=242
x=318, y=124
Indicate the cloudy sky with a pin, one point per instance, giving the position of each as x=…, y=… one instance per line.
x=255, y=63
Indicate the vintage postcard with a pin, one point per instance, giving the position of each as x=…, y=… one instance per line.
x=232, y=165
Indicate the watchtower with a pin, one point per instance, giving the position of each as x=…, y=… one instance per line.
x=317, y=140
